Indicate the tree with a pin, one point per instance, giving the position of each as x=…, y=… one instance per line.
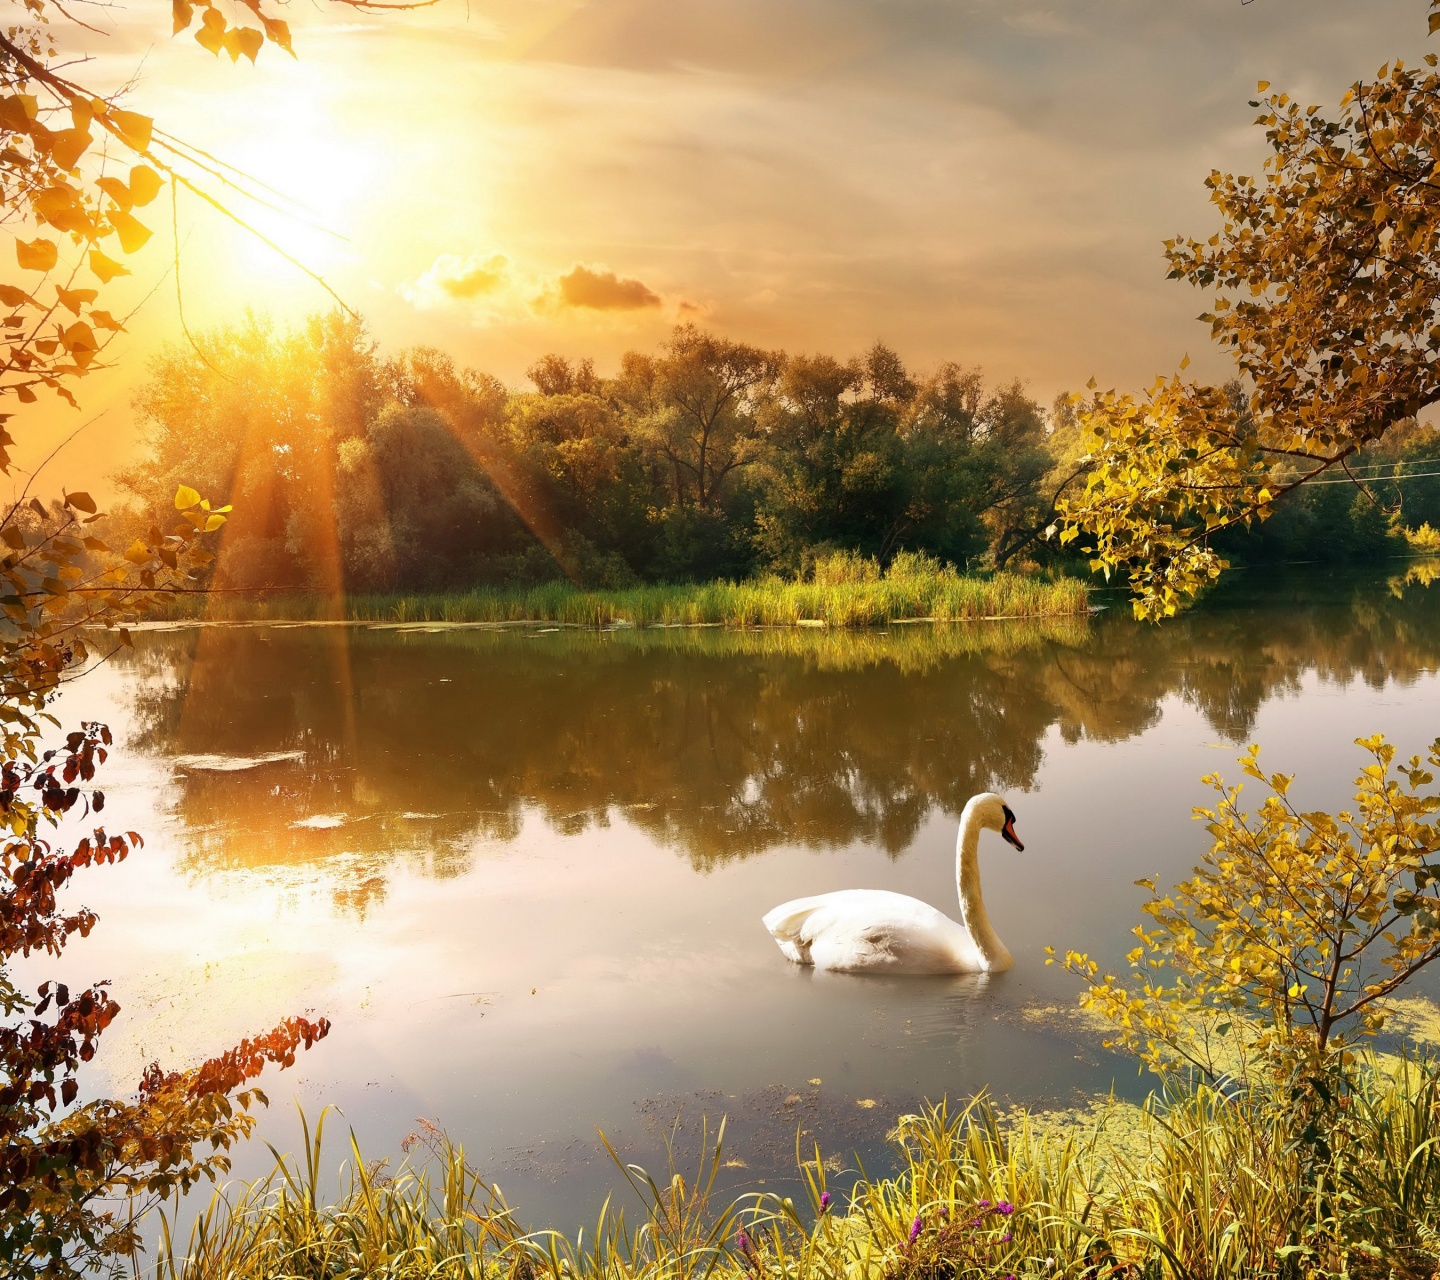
x=860, y=456
x=257, y=418
x=61, y=1159
x=698, y=401
x=1326, y=272
x=1293, y=933
x=835, y=462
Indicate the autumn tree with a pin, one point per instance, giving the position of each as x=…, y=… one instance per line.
x=75, y=166
x=1293, y=934
x=1325, y=283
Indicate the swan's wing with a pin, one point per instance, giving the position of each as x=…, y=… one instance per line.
x=788, y=919
x=787, y=926
x=871, y=929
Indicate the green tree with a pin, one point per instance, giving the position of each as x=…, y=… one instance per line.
x=256, y=418
x=835, y=462
x=697, y=403
x=587, y=469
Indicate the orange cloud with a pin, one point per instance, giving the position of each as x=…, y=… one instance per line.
x=453, y=278
x=605, y=291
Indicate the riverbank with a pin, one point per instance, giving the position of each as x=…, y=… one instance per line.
x=1208, y=1183
x=943, y=596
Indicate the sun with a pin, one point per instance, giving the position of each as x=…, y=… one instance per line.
x=308, y=175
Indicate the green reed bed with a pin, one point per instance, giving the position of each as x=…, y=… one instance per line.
x=1207, y=1186
x=764, y=602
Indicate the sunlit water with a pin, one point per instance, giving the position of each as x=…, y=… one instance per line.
x=523, y=871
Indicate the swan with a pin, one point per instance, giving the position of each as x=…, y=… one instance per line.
x=875, y=931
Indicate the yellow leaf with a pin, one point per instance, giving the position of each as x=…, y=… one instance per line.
x=214, y=522
x=211, y=33
x=36, y=255
x=116, y=190
x=67, y=146
x=132, y=233
x=133, y=128
x=185, y=498
x=250, y=41
x=144, y=184
x=74, y=299
x=62, y=207
x=105, y=267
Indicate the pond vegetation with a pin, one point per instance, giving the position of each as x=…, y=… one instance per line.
x=843, y=591
x=1202, y=1182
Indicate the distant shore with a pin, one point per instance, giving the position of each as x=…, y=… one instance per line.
x=763, y=602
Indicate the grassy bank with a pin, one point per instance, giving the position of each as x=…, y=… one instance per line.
x=1211, y=1185
x=765, y=602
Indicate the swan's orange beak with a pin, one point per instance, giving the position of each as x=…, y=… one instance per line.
x=1008, y=831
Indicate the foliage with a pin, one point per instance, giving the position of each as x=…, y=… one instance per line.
x=846, y=592
x=67, y=1165
x=698, y=404
x=73, y=1169
x=1425, y=539
x=1204, y=1184
x=1293, y=932
x=864, y=457
x=709, y=459
x=74, y=166
x=1326, y=271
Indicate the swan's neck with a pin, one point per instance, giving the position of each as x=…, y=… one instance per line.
x=972, y=905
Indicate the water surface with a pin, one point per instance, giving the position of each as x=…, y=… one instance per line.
x=523, y=871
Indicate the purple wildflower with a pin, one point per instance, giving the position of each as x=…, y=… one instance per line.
x=916, y=1227
x=944, y=1211
x=1005, y=1207
x=824, y=1201
x=1007, y=1237
x=742, y=1241
x=984, y=1204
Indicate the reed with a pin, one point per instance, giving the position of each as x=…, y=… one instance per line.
x=1205, y=1185
x=938, y=596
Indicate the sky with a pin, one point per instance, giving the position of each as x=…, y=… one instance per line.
x=986, y=181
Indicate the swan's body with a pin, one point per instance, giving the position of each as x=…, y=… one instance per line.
x=875, y=931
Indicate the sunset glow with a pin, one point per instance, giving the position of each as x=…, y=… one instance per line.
x=980, y=182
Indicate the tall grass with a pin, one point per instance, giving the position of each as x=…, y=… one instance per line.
x=1205, y=1186
x=940, y=596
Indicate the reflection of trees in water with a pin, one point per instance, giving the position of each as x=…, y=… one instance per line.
x=719, y=744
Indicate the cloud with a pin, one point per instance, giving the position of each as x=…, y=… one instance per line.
x=451, y=278
x=604, y=291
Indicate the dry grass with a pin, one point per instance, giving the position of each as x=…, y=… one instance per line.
x=1207, y=1186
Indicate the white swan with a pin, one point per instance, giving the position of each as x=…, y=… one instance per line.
x=875, y=931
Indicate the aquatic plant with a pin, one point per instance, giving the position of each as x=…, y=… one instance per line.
x=1214, y=1187
x=905, y=594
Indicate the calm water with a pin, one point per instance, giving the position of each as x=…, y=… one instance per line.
x=523, y=873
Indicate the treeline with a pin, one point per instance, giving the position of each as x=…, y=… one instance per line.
x=1357, y=513
x=706, y=459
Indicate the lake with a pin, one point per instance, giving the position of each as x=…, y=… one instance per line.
x=523, y=870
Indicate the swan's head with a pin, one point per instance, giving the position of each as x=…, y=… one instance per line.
x=991, y=811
